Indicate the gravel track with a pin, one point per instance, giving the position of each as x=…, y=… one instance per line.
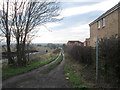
x=35, y=79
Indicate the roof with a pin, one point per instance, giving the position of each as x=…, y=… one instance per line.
x=87, y=38
x=74, y=41
x=107, y=13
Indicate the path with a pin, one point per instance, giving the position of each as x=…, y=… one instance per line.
x=35, y=79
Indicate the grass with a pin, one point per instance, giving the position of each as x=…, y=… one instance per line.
x=42, y=57
x=72, y=76
x=49, y=68
x=14, y=70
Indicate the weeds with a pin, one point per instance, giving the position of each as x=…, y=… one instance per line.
x=14, y=70
x=72, y=76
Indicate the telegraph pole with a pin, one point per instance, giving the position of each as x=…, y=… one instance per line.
x=97, y=61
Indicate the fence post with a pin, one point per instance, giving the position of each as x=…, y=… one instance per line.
x=97, y=60
x=0, y=66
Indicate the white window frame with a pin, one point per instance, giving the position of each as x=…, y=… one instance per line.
x=98, y=23
x=103, y=22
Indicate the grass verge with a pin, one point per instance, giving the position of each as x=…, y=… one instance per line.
x=14, y=70
x=71, y=75
x=49, y=68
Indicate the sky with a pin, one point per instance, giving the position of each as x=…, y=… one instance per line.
x=77, y=15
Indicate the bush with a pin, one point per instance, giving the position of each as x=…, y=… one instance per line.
x=81, y=54
x=57, y=50
x=110, y=59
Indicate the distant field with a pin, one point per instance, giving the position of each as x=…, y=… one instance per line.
x=41, y=50
x=34, y=47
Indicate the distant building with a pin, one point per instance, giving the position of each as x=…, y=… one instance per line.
x=87, y=42
x=72, y=43
x=107, y=25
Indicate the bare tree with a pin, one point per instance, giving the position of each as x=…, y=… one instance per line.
x=22, y=17
x=4, y=17
x=1, y=37
x=28, y=42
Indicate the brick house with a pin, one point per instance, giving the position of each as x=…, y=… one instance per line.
x=106, y=25
x=72, y=43
x=87, y=42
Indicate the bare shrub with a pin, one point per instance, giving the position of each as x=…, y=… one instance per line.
x=110, y=59
x=81, y=54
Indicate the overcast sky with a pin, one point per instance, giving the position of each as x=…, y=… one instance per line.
x=75, y=25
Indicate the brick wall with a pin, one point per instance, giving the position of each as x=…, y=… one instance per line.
x=110, y=28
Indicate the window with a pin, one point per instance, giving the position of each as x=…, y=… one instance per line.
x=103, y=22
x=98, y=24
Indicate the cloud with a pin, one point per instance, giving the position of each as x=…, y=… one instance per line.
x=76, y=20
x=78, y=0
x=50, y=25
x=75, y=33
x=75, y=25
x=102, y=6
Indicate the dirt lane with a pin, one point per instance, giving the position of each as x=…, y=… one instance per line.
x=35, y=79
